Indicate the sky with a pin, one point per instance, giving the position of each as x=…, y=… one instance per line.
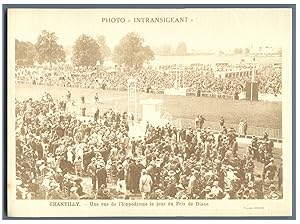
x=205, y=29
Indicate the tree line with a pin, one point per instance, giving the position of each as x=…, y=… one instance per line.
x=168, y=50
x=86, y=51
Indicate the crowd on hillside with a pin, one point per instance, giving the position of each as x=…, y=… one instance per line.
x=197, y=78
x=60, y=155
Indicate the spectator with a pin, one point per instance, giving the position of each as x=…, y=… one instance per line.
x=145, y=184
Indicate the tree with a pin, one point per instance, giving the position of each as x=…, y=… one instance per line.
x=104, y=49
x=25, y=53
x=181, y=49
x=86, y=51
x=131, y=52
x=247, y=51
x=48, y=50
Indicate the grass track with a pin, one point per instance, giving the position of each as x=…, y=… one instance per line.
x=261, y=114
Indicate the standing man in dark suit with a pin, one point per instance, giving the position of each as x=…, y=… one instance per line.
x=91, y=170
x=201, y=121
x=101, y=175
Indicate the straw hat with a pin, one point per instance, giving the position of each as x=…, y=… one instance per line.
x=18, y=181
x=158, y=191
x=216, y=183
x=227, y=189
x=207, y=188
x=210, y=195
x=274, y=196
x=171, y=173
x=180, y=186
x=73, y=189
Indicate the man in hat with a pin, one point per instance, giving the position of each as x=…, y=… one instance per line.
x=73, y=193
x=273, y=194
x=100, y=194
x=267, y=182
x=227, y=193
x=54, y=192
x=272, y=168
x=96, y=97
x=145, y=184
x=216, y=190
x=132, y=182
x=33, y=187
x=70, y=158
x=205, y=193
x=96, y=115
x=171, y=189
x=51, y=161
x=133, y=145
x=139, y=168
x=69, y=95
x=234, y=147
x=79, y=190
x=197, y=122
x=210, y=196
x=67, y=184
x=91, y=170
x=221, y=122
x=258, y=186
x=87, y=157
x=107, y=195
x=59, y=178
x=101, y=175
x=266, y=136
x=78, y=167
x=249, y=168
x=192, y=189
x=155, y=194
x=252, y=193
x=180, y=192
x=121, y=186
x=201, y=121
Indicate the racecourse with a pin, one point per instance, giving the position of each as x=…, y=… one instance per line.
x=256, y=113
x=263, y=114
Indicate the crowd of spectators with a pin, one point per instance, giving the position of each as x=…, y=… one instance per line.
x=59, y=155
x=200, y=77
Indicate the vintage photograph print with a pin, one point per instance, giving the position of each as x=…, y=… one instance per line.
x=149, y=112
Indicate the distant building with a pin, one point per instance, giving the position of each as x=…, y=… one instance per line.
x=226, y=70
x=277, y=65
x=233, y=73
x=265, y=51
